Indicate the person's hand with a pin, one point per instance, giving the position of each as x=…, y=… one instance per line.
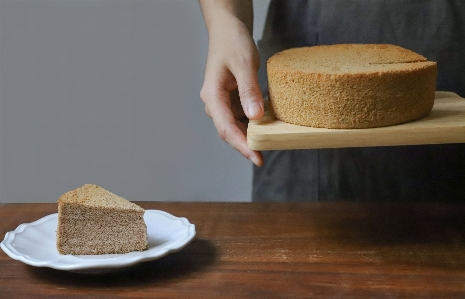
x=231, y=92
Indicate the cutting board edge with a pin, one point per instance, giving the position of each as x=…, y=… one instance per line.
x=262, y=134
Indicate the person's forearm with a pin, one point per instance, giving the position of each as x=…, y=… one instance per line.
x=230, y=90
x=214, y=12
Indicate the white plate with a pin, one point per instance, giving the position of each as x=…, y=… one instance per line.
x=35, y=244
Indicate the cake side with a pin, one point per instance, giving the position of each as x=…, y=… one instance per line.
x=86, y=231
x=355, y=90
x=107, y=228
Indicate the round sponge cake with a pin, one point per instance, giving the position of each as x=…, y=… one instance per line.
x=350, y=85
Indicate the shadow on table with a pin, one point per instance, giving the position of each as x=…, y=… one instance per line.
x=429, y=235
x=404, y=224
x=196, y=256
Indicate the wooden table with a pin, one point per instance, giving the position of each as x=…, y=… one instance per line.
x=273, y=250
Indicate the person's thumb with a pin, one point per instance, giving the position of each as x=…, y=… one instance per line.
x=250, y=93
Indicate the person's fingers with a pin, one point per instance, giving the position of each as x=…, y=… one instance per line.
x=256, y=157
x=249, y=90
x=207, y=111
x=231, y=130
x=236, y=107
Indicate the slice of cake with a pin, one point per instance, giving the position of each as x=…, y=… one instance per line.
x=350, y=86
x=92, y=220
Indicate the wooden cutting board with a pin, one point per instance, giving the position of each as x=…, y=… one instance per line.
x=445, y=124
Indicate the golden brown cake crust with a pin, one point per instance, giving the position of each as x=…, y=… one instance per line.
x=350, y=86
x=92, y=220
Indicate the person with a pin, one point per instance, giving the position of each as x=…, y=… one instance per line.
x=235, y=87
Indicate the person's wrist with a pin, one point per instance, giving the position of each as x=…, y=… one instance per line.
x=226, y=24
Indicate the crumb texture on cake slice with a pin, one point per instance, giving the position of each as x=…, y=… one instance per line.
x=93, y=195
x=92, y=220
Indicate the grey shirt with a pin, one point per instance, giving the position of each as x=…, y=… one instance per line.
x=433, y=28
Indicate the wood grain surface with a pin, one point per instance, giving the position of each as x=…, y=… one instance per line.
x=445, y=124
x=273, y=250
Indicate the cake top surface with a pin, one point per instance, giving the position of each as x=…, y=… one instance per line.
x=94, y=196
x=348, y=58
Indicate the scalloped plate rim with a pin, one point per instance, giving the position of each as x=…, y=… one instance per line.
x=110, y=262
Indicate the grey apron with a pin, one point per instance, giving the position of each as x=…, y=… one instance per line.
x=434, y=28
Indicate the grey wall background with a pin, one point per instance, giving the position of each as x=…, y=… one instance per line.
x=107, y=92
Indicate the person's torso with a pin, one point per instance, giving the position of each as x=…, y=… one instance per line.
x=433, y=28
